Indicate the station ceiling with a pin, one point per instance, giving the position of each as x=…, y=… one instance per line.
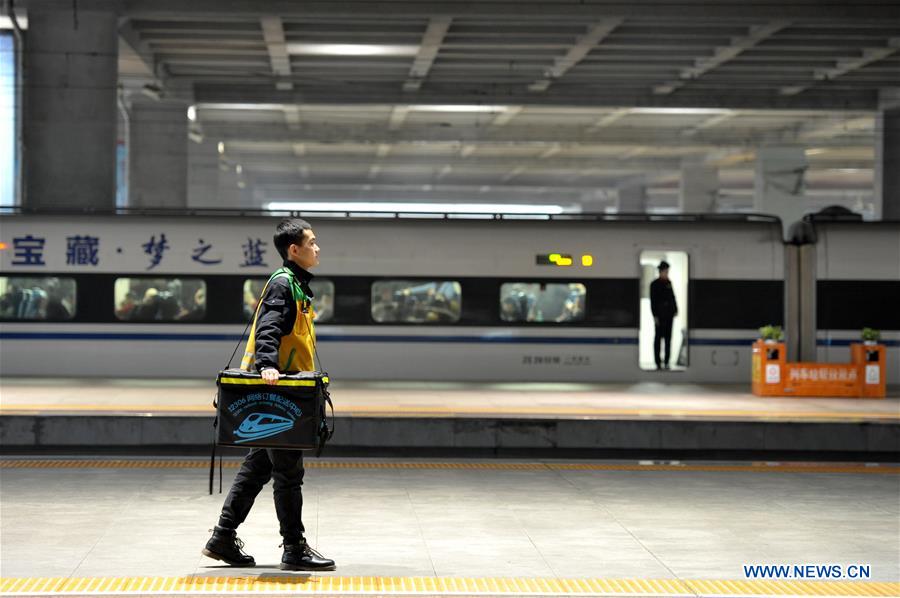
x=521, y=101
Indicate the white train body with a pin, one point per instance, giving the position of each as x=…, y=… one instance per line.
x=736, y=273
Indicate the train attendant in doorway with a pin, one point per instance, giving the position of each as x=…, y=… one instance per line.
x=664, y=309
x=282, y=339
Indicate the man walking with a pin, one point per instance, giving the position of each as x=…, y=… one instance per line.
x=282, y=340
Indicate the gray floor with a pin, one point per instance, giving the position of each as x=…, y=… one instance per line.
x=458, y=522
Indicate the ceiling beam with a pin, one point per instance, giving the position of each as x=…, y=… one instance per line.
x=506, y=116
x=462, y=188
x=509, y=10
x=721, y=55
x=832, y=128
x=428, y=50
x=335, y=133
x=583, y=45
x=709, y=123
x=847, y=65
x=273, y=34
x=292, y=116
x=608, y=119
x=501, y=165
x=560, y=95
x=398, y=117
x=139, y=49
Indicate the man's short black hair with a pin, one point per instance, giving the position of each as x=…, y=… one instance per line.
x=289, y=232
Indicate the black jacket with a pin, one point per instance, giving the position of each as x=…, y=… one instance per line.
x=662, y=299
x=277, y=315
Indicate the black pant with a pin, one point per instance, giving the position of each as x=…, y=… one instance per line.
x=663, y=332
x=286, y=469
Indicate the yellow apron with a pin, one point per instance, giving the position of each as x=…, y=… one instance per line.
x=296, y=350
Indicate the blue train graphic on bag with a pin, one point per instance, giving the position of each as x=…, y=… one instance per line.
x=261, y=425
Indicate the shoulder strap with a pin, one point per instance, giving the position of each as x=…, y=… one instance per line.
x=296, y=290
x=251, y=324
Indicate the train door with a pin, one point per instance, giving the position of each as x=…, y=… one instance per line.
x=669, y=299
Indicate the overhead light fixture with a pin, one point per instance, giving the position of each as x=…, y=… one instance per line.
x=815, y=151
x=306, y=49
x=6, y=22
x=221, y=147
x=422, y=207
x=239, y=169
x=192, y=113
x=680, y=111
x=239, y=106
x=458, y=108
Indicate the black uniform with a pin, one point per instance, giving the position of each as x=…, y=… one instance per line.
x=276, y=319
x=664, y=308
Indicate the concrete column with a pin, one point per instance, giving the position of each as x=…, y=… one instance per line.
x=699, y=189
x=632, y=199
x=887, y=164
x=158, y=165
x=69, y=117
x=779, y=184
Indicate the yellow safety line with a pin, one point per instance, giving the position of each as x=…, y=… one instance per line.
x=762, y=467
x=458, y=411
x=280, y=584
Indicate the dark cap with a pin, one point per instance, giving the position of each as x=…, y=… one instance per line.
x=663, y=265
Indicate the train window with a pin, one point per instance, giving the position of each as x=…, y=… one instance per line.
x=542, y=302
x=38, y=298
x=160, y=299
x=663, y=336
x=416, y=302
x=323, y=297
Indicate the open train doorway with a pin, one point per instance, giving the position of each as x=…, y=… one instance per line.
x=663, y=336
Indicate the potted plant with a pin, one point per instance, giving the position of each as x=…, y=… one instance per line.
x=870, y=336
x=771, y=334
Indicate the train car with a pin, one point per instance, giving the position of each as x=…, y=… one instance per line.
x=560, y=299
x=858, y=285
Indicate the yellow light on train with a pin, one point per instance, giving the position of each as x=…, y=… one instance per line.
x=554, y=259
x=587, y=260
x=3, y=246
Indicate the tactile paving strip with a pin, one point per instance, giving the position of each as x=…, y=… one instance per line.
x=519, y=586
x=29, y=463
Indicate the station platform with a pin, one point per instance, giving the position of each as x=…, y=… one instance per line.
x=466, y=417
x=135, y=526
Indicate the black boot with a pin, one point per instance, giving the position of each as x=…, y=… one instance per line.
x=301, y=557
x=226, y=546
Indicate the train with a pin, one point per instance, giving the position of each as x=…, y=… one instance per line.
x=430, y=297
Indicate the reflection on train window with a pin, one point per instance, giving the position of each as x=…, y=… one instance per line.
x=44, y=298
x=430, y=302
x=323, y=297
x=542, y=302
x=160, y=299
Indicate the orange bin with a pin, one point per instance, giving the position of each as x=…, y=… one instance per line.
x=769, y=364
x=773, y=376
x=870, y=360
